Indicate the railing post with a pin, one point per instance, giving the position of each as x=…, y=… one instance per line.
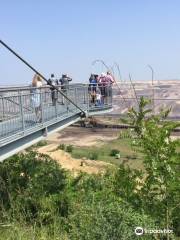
x=87, y=92
x=41, y=106
x=57, y=103
x=84, y=88
x=56, y=113
x=21, y=110
x=3, y=112
x=111, y=94
x=66, y=100
x=75, y=97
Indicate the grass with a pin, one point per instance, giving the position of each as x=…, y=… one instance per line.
x=21, y=231
x=178, y=148
x=103, y=151
x=128, y=154
x=39, y=144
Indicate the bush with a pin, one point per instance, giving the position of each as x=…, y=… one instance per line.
x=69, y=148
x=61, y=147
x=114, y=152
x=93, y=156
x=41, y=144
x=107, y=218
x=32, y=186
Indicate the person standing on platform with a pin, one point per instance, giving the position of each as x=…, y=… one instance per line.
x=54, y=93
x=92, y=88
x=64, y=81
x=36, y=98
x=106, y=81
x=110, y=80
x=102, y=85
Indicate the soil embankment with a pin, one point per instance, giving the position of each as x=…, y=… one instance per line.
x=74, y=165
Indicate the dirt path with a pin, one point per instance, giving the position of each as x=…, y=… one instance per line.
x=83, y=136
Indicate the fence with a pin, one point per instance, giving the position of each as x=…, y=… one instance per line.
x=25, y=108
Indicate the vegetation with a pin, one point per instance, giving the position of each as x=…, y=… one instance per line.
x=35, y=146
x=41, y=143
x=39, y=200
x=123, y=146
x=61, y=147
x=160, y=189
x=137, y=119
x=69, y=148
x=114, y=152
x=93, y=156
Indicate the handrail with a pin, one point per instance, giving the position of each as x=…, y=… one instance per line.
x=13, y=89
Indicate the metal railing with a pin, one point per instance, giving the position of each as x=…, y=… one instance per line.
x=25, y=109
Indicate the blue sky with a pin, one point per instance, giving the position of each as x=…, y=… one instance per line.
x=66, y=36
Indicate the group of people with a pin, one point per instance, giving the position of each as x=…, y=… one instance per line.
x=100, y=88
x=63, y=82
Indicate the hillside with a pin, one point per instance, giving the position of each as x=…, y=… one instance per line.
x=166, y=94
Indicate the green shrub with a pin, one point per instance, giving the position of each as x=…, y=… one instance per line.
x=114, y=152
x=108, y=218
x=61, y=147
x=69, y=148
x=41, y=143
x=93, y=156
x=32, y=186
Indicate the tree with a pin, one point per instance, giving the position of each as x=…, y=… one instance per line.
x=160, y=190
x=136, y=118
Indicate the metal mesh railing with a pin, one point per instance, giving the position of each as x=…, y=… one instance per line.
x=26, y=109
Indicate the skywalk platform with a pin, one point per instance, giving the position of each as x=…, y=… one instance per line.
x=22, y=125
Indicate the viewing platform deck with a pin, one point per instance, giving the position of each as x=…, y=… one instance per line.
x=29, y=114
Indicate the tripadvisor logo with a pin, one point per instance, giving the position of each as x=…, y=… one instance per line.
x=139, y=231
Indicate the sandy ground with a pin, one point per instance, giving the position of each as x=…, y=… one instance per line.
x=77, y=136
x=74, y=165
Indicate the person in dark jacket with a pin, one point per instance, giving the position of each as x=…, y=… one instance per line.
x=64, y=81
x=92, y=88
x=54, y=93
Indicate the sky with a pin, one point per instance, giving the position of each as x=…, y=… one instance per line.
x=66, y=36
